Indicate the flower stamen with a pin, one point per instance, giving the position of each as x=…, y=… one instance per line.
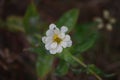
x=56, y=38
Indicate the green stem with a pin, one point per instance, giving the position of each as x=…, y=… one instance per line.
x=85, y=66
x=80, y=62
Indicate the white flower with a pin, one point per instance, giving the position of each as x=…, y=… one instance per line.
x=56, y=39
x=106, y=21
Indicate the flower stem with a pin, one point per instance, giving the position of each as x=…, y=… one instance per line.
x=85, y=66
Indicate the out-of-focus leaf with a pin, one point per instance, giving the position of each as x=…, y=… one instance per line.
x=66, y=61
x=83, y=31
x=44, y=64
x=85, y=36
x=62, y=68
x=44, y=60
x=78, y=71
x=84, y=46
x=31, y=19
x=98, y=71
x=15, y=23
x=2, y=24
x=68, y=58
x=69, y=19
x=66, y=55
x=37, y=44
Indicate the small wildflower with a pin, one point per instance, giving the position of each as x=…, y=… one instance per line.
x=106, y=21
x=56, y=39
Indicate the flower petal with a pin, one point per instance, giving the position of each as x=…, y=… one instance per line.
x=59, y=49
x=53, y=51
x=109, y=27
x=49, y=32
x=112, y=20
x=106, y=14
x=63, y=44
x=61, y=35
x=44, y=39
x=48, y=39
x=98, y=19
x=69, y=43
x=64, y=29
x=53, y=45
x=52, y=26
x=100, y=26
x=67, y=38
x=56, y=31
x=47, y=46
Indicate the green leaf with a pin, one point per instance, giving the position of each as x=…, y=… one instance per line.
x=87, y=44
x=62, y=68
x=37, y=44
x=98, y=71
x=44, y=59
x=31, y=18
x=85, y=37
x=83, y=31
x=78, y=71
x=69, y=19
x=44, y=64
x=66, y=55
x=14, y=23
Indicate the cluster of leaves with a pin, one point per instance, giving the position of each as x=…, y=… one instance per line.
x=83, y=35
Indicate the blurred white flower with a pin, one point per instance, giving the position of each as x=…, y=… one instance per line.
x=56, y=39
x=106, y=21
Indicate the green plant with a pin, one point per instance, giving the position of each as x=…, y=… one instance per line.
x=83, y=36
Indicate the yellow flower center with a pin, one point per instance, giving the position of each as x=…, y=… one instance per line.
x=56, y=38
